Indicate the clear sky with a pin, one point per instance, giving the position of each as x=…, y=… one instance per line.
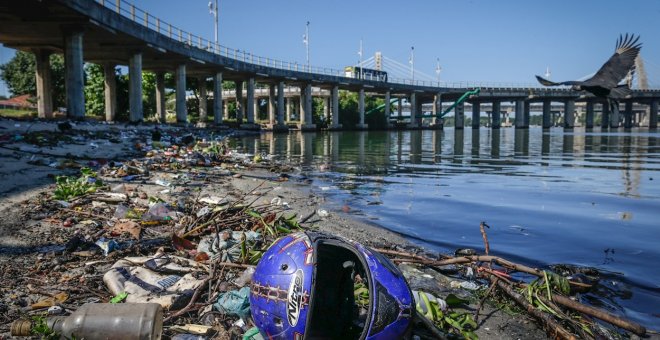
x=474, y=40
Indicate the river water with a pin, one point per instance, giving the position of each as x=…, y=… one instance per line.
x=582, y=198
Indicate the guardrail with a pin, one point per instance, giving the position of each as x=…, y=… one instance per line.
x=139, y=16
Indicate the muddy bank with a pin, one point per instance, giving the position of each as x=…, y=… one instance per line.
x=46, y=246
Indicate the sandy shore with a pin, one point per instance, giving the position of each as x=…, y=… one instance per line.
x=27, y=175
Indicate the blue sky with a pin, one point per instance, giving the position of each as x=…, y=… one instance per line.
x=475, y=40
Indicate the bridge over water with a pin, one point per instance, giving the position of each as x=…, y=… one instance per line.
x=113, y=33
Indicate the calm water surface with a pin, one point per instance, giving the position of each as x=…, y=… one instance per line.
x=583, y=198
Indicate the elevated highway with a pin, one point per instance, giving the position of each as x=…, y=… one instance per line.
x=115, y=32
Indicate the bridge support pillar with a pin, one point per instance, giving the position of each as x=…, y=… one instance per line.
x=251, y=106
x=497, y=120
x=526, y=110
x=289, y=108
x=589, y=122
x=628, y=115
x=306, y=123
x=399, y=109
x=135, y=113
x=437, y=122
x=110, y=91
x=413, y=111
x=44, y=87
x=361, y=125
x=520, y=114
x=653, y=115
x=239, y=102
x=203, y=102
x=280, y=126
x=605, y=116
x=74, y=74
x=614, y=116
x=569, y=114
x=547, y=114
x=459, y=116
x=387, y=110
x=160, y=97
x=181, y=108
x=334, y=98
x=217, y=98
x=476, y=113
x=272, y=104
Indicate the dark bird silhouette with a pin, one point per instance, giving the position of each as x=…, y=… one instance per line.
x=605, y=83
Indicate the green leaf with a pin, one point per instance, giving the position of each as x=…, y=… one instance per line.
x=253, y=213
x=453, y=301
x=119, y=297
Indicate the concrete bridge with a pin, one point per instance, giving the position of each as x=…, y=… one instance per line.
x=115, y=32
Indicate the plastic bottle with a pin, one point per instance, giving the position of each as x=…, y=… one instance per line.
x=103, y=321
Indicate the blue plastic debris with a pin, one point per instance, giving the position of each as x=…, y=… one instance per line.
x=234, y=303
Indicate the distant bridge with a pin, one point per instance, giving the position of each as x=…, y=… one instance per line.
x=115, y=33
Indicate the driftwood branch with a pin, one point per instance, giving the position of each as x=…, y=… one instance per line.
x=553, y=328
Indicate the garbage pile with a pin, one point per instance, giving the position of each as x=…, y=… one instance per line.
x=171, y=241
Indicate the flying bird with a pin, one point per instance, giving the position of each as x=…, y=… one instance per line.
x=605, y=83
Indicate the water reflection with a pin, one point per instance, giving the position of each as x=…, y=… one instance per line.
x=552, y=197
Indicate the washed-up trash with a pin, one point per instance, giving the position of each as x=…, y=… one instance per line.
x=163, y=183
x=55, y=310
x=203, y=211
x=50, y=301
x=234, y=303
x=102, y=321
x=322, y=213
x=465, y=285
x=188, y=337
x=130, y=227
x=159, y=212
x=108, y=246
x=428, y=305
x=214, y=200
x=245, y=277
x=192, y=329
x=121, y=211
x=225, y=245
x=253, y=334
x=163, y=279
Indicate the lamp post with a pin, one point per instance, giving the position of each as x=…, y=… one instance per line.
x=412, y=64
x=213, y=9
x=306, y=42
x=438, y=69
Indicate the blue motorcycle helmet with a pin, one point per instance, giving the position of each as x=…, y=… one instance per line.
x=304, y=285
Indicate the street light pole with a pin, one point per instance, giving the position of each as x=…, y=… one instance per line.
x=438, y=69
x=213, y=9
x=306, y=42
x=412, y=63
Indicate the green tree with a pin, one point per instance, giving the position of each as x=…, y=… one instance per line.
x=94, y=90
x=19, y=75
x=348, y=108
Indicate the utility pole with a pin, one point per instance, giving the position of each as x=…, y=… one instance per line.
x=306, y=42
x=213, y=9
x=438, y=69
x=412, y=64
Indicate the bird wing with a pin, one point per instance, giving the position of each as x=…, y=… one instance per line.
x=617, y=67
x=546, y=82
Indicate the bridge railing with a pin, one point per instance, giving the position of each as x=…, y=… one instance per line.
x=137, y=15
